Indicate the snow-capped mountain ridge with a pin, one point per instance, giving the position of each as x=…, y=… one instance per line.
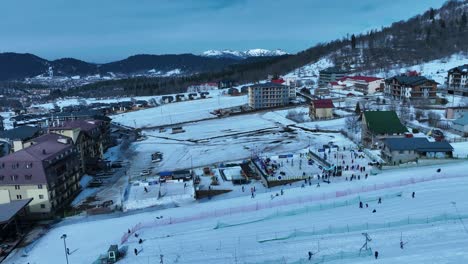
x=244, y=54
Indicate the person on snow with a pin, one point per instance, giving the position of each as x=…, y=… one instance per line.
x=318, y=184
x=376, y=254
x=282, y=192
x=135, y=251
x=310, y=255
x=360, y=204
x=367, y=205
x=140, y=241
x=412, y=195
x=380, y=200
x=438, y=170
x=136, y=235
x=373, y=211
x=129, y=231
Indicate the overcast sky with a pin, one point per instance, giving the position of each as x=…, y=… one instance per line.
x=104, y=30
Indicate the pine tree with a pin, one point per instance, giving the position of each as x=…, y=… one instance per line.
x=463, y=20
x=358, y=108
x=431, y=14
x=353, y=41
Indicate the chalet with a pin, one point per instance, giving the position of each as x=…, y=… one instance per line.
x=321, y=109
x=401, y=150
x=364, y=84
x=457, y=80
x=410, y=88
x=377, y=125
x=455, y=112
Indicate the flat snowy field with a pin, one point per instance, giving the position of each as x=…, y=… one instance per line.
x=325, y=220
x=173, y=113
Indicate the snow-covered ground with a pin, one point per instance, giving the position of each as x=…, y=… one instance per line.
x=311, y=70
x=325, y=220
x=436, y=69
x=179, y=112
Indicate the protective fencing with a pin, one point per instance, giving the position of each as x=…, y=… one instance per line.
x=342, y=255
x=365, y=226
x=282, y=202
x=313, y=208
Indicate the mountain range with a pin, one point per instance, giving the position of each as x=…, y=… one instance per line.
x=18, y=66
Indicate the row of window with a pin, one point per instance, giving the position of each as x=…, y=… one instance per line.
x=18, y=187
x=15, y=177
x=17, y=165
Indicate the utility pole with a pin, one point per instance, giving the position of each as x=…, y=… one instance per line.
x=64, y=237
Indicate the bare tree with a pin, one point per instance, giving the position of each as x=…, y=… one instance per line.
x=352, y=123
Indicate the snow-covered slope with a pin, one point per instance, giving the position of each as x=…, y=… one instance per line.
x=243, y=54
x=436, y=69
x=311, y=70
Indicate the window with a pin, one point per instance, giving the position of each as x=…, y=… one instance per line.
x=17, y=187
x=28, y=177
x=41, y=196
x=42, y=206
x=2, y=177
x=39, y=186
x=13, y=177
x=19, y=197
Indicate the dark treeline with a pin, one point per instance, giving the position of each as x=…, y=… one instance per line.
x=432, y=35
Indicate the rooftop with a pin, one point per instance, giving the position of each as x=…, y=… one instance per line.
x=20, y=133
x=411, y=80
x=331, y=70
x=367, y=79
x=418, y=144
x=384, y=122
x=267, y=85
x=463, y=121
x=323, y=103
x=9, y=210
x=85, y=125
x=462, y=68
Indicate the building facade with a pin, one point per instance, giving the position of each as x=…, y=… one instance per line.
x=48, y=171
x=461, y=125
x=89, y=137
x=411, y=88
x=331, y=74
x=457, y=80
x=402, y=150
x=321, y=109
x=269, y=94
x=364, y=84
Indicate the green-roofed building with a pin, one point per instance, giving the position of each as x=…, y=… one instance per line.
x=379, y=124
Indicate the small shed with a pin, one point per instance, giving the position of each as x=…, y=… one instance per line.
x=113, y=254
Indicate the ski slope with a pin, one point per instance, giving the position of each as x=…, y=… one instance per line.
x=324, y=220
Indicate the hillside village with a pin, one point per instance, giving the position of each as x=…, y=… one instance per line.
x=334, y=161
x=221, y=141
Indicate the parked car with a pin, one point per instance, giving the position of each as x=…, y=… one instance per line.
x=145, y=172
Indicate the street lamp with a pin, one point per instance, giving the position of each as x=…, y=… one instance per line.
x=64, y=237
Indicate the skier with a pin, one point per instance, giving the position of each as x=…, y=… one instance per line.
x=140, y=241
x=129, y=231
x=374, y=211
x=412, y=195
x=146, y=189
x=135, y=251
x=438, y=170
x=367, y=205
x=318, y=184
x=136, y=235
x=282, y=192
x=310, y=255
x=243, y=188
x=401, y=244
x=360, y=204
x=376, y=254
x=380, y=200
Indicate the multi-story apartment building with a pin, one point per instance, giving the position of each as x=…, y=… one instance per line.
x=47, y=171
x=89, y=136
x=410, y=88
x=331, y=74
x=269, y=94
x=457, y=80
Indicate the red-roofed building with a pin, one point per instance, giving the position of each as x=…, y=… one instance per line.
x=364, y=84
x=336, y=85
x=321, y=109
